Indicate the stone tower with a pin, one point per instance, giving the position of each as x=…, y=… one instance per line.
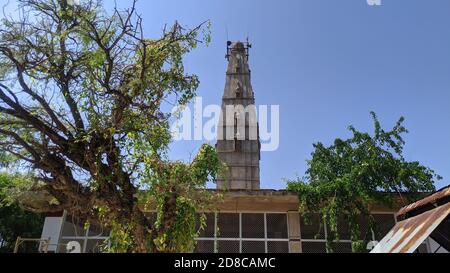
x=238, y=142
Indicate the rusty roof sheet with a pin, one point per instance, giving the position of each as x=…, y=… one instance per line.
x=427, y=200
x=409, y=234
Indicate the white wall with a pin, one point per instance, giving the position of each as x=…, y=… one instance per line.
x=52, y=230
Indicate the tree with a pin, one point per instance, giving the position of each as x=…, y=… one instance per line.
x=82, y=95
x=345, y=178
x=14, y=220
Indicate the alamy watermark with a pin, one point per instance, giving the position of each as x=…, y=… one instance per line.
x=230, y=122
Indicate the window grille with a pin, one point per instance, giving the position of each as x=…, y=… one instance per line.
x=342, y=247
x=276, y=226
x=253, y=247
x=314, y=247
x=253, y=225
x=383, y=224
x=311, y=227
x=228, y=225
x=91, y=238
x=225, y=246
x=314, y=232
x=245, y=233
x=204, y=247
x=208, y=231
x=277, y=247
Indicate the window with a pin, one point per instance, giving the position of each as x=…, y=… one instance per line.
x=365, y=232
x=277, y=247
x=253, y=247
x=91, y=238
x=208, y=230
x=252, y=225
x=245, y=233
x=383, y=224
x=312, y=227
x=205, y=247
x=73, y=227
x=342, y=247
x=313, y=247
x=228, y=225
x=94, y=246
x=228, y=246
x=277, y=226
x=314, y=232
x=343, y=229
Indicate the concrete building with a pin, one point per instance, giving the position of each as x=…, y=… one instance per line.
x=250, y=219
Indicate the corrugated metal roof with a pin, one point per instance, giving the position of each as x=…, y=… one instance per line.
x=427, y=200
x=409, y=234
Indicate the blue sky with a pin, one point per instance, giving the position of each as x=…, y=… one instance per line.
x=327, y=63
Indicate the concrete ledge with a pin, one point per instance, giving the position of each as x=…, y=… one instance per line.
x=259, y=201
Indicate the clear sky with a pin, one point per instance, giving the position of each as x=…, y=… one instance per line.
x=327, y=63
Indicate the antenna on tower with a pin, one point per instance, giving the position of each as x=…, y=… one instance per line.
x=226, y=30
x=227, y=56
x=247, y=47
x=228, y=50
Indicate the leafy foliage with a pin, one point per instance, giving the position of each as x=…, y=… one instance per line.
x=177, y=191
x=14, y=220
x=82, y=95
x=347, y=177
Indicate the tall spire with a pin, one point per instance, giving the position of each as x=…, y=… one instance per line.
x=238, y=133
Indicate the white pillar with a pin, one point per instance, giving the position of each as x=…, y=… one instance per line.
x=52, y=230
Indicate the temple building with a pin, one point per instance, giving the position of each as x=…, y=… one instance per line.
x=250, y=219
x=238, y=133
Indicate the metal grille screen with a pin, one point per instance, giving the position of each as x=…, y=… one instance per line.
x=253, y=247
x=91, y=237
x=314, y=247
x=228, y=225
x=343, y=229
x=208, y=231
x=277, y=226
x=311, y=228
x=73, y=228
x=314, y=234
x=94, y=246
x=98, y=231
x=244, y=232
x=320, y=247
x=252, y=225
x=383, y=224
x=228, y=246
x=277, y=247
x=365, y=232
x=342, y=248
x=204, y=247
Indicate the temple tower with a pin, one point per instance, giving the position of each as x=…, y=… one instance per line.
x=238, y=142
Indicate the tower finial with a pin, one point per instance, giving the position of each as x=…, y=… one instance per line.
x=238, y=46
